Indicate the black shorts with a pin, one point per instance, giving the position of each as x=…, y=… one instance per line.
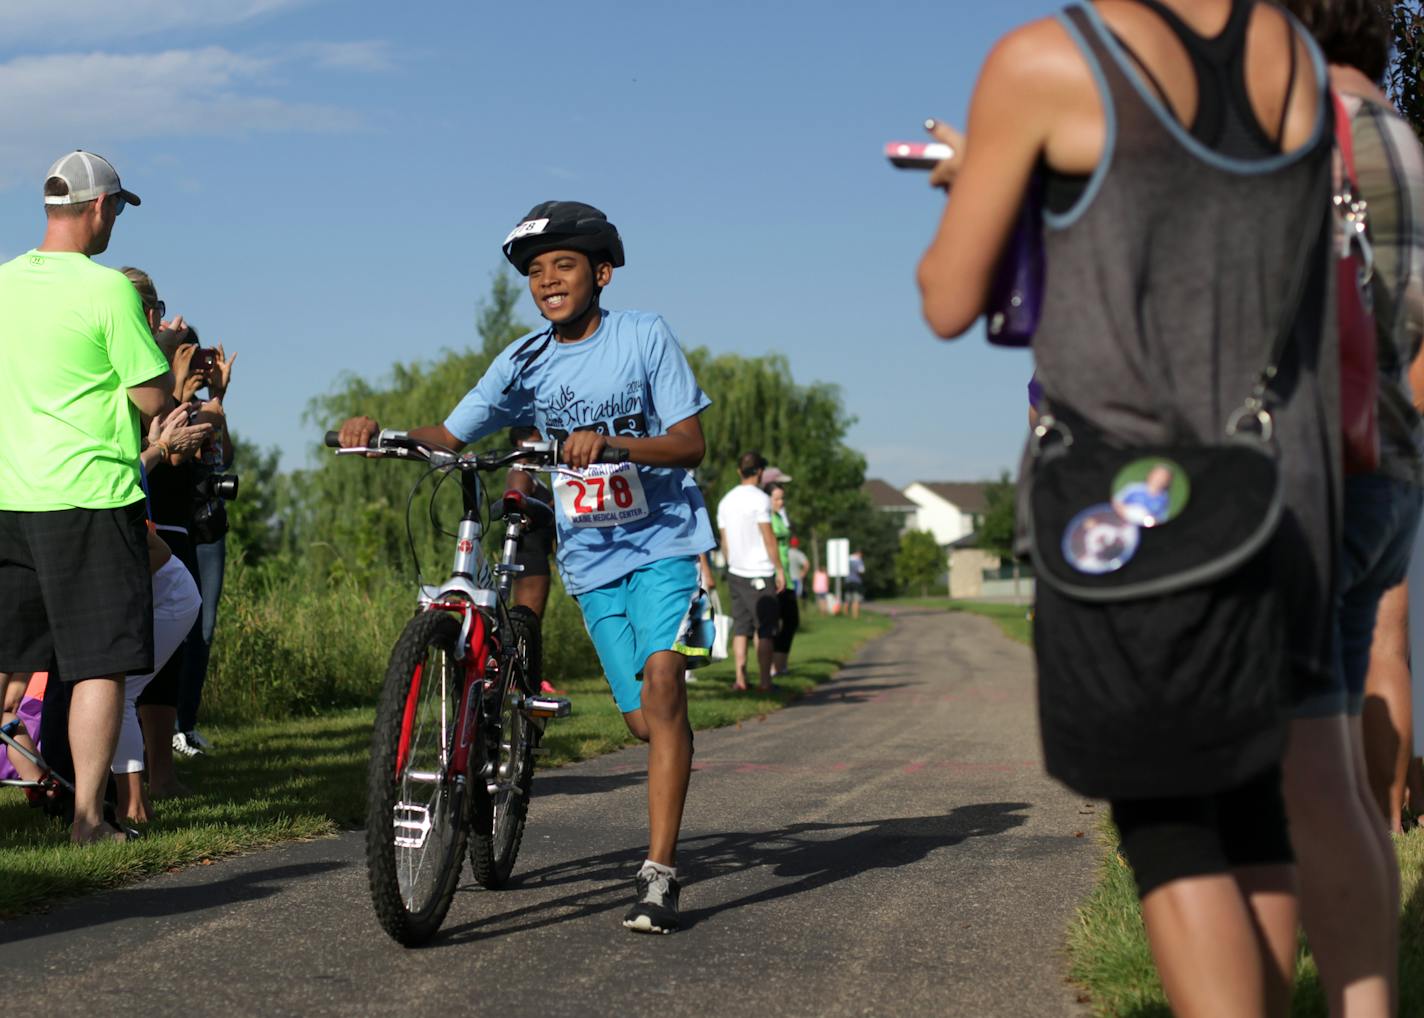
x=753, y=610
x=75, y=589
x=1170, y=839
x=535, y=548
x=537, y=545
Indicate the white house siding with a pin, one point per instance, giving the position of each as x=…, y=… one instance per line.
x=942, y=519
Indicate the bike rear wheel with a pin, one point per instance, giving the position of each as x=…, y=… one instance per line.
x=497, y=828
x=417, y=811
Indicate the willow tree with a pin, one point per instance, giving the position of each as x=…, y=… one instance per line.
x=800, y=428
x=350, y=514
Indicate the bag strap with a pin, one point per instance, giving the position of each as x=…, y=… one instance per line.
x=1254, y=408
x=1344, y=141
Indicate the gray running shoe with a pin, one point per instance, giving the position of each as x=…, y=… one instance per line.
x=656, y=908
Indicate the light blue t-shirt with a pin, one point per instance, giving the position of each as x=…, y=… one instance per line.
x=628, y=378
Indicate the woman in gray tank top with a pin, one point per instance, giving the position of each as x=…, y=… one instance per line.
x=1182, y=143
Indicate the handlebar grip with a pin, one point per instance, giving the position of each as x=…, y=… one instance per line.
x=333, y=439
x=613, y=455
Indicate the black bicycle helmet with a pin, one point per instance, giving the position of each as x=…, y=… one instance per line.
x=563, y=226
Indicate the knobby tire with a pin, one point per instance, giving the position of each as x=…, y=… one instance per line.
x=412, y=886
x=497, y=824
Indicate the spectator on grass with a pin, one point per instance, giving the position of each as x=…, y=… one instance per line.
x=1185, y=147
x=799, y=566
x=77, y=366
x=173, y=501
x=210, y=551
x=754, y=571
x=855, y=583
x=821, y=590
x=1349, y=876
x=788, y=610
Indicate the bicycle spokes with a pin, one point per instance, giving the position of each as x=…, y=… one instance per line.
x=420, y=817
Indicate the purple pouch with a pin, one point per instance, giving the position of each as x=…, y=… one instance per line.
x=1016, y=294
x=29, y=713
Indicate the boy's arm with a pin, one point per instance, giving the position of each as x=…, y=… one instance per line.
x=682, y=446
x=358, y=431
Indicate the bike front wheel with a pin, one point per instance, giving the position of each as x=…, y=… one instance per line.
x=417, y=811
x=498, y=823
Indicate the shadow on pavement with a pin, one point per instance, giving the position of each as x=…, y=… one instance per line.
x=858, y=693
x=860, y=666
x=803, y=857
x=147, y=901
x=560, y=782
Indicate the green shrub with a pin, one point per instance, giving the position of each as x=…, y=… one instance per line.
x=288, y=644
x=292, y=642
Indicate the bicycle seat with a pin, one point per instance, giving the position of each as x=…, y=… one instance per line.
x=538, y=512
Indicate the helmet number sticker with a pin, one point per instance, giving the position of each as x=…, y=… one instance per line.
x=526, y=229
x=602, y=495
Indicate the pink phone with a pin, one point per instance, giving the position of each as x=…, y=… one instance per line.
x=917, y=155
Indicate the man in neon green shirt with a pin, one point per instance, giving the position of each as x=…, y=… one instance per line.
x=77, y=366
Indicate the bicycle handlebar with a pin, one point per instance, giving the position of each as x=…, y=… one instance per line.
x=401, y=445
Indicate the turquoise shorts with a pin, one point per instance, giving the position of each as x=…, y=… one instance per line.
x=657, y=607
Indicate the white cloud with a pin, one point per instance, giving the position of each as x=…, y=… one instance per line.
x=103, y=21
x=369, y=56
x=89, y=100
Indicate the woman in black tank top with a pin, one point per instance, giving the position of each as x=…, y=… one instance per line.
x=1182, y=142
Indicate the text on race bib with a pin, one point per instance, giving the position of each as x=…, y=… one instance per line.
x=604, y=495
x=526, y=229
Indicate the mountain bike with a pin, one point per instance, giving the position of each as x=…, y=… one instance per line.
x=460, y=717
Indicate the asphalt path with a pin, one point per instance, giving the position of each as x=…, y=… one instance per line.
x=886, y=845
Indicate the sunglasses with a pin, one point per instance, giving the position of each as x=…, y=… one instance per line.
x=119, y=203
x=160, y=309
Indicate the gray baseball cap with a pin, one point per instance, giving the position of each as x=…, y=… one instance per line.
x=89, y=176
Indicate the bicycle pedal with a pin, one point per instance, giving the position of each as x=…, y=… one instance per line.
x=547, y=707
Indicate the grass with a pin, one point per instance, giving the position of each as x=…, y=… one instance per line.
x=1110, y=959
x=302, y=778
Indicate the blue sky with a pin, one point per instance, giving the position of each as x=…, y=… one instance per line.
x=326, y=184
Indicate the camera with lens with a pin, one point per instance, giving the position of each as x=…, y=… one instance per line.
x=211, y=495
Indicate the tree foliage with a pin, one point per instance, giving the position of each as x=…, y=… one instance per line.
x=799, y=428
x=996, y=532
x=254, y=517
x=1405, y=79
x=919, y=563
x=351, y=514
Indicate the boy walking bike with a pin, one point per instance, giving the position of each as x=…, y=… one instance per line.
x=629, y=535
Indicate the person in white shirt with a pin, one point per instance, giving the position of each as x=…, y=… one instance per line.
x=754, y=570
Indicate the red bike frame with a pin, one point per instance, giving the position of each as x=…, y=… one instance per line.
x=476, y=656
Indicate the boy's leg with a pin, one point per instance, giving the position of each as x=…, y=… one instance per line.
x=664, y=713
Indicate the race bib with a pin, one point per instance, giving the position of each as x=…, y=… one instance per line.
x=604, y=495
